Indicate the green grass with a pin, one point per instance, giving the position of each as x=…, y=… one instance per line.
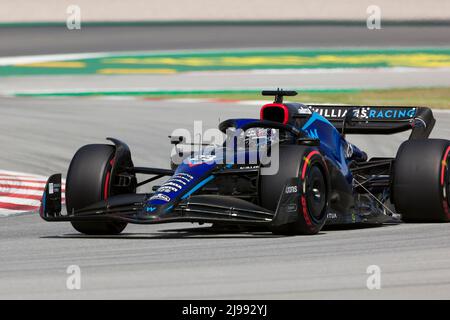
x=430, y=97
x=437, y=97
x=216, y=60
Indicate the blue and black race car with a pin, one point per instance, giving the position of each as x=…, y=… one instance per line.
x=321, y=178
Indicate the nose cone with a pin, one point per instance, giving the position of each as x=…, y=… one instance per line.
x=188, y=174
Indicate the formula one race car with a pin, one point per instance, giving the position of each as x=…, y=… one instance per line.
x=320, y=178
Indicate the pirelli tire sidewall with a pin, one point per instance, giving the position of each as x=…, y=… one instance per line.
x=88, y=181
x=308, y=221
x=420, y=184
x=301, y=164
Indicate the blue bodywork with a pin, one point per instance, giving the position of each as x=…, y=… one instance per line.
x=331, y=142
x=317, y=169
x=191, y=175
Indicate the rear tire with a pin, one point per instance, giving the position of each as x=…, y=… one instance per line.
x=87, y=183
x=421, y=180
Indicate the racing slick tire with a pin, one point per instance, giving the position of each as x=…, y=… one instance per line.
x=307, y=167
x=88, y=182
x=421, y=180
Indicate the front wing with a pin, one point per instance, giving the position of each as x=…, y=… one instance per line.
x=133, y=208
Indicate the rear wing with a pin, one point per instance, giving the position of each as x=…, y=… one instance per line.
x=379, y=119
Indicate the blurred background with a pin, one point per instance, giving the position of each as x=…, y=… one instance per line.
x=184, y=48
x=225, y=10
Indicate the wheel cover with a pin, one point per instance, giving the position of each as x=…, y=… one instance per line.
x=316, y=193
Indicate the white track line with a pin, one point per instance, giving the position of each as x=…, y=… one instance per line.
x=8, y=61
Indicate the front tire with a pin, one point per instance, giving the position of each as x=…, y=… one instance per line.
x=307, y=167
x=87, y=182
x=421, y=182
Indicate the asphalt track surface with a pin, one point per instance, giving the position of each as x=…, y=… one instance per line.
x=182, y=260
x=51, y=40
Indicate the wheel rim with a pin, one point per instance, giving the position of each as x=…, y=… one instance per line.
x=316, y=196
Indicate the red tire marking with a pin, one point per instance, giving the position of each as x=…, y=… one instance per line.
x=108, y=176
x=105, y=190
x=303, y=198
x=444, y=165
x=305, y=211
x=307, y=162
